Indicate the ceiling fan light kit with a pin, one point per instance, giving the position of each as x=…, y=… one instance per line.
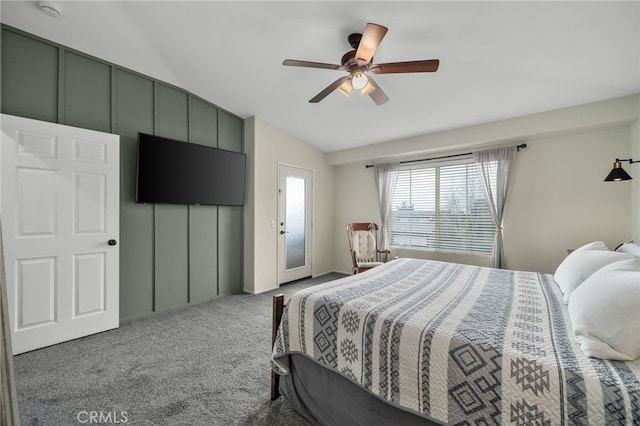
x=359, y=81
x=359, y=61
x=346, y=88
x=366, y=90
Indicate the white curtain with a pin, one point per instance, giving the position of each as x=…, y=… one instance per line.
x=8, y=399
x=495, y=165
x=385, y=176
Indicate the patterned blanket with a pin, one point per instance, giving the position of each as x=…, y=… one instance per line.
x=460, y=344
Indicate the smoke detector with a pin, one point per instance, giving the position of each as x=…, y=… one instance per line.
x=50, y=8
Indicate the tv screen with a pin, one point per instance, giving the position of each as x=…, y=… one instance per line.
x=175, y=172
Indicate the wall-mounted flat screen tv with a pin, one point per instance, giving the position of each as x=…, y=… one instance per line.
x=176, y=172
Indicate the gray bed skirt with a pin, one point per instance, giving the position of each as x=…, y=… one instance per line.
x=327, y=398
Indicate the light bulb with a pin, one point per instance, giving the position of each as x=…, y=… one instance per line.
x=359, y=81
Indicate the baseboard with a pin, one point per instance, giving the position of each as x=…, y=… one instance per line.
x=171, y=308
x=328, y=272
x=312, y=276
x=244, y=290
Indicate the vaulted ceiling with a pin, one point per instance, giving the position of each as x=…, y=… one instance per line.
x=497, y=59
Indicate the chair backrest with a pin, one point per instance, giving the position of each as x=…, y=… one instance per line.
x=363, y=241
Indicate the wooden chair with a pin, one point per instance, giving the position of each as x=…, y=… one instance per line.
x=363, y=246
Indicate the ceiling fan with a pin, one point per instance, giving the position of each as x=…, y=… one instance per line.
x=359, y=62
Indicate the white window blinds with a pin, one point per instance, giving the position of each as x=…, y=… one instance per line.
x=441, y=207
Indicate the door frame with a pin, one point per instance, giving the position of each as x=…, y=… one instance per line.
x=309, y=229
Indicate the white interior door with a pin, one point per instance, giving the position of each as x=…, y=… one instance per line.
x=295, y=207
x=59, y=201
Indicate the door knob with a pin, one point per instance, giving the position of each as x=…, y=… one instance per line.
x=282, y=232
x=112, y=242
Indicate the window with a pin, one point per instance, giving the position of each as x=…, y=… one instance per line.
x=442, y=208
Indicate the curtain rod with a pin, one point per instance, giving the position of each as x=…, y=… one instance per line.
x=518, y=147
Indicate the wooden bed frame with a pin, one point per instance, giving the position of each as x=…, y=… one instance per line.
x=278, y=307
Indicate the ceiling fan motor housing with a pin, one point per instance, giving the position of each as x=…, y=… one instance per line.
x=354, y=40
x=348, y=58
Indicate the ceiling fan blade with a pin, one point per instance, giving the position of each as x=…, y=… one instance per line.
x=429, y=65
x=330, y=88
x=377, y=95
x=308, y=64
x=371, y=38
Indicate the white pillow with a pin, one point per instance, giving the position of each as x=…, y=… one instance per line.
x=605, y=312
x=629, y=247
x=596, y=245
x=583, y=262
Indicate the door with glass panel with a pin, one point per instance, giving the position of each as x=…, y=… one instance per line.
x=295, y=200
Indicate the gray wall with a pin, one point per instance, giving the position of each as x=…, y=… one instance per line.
x=170, y=255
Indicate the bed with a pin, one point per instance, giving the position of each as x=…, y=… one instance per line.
x=426, y=342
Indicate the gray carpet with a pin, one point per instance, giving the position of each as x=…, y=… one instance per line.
x=207, y=364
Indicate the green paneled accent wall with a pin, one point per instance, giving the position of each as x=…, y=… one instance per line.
x=229, y=218
x=203, y=238
x=230, y=249
x=172, y=117
x=203, y=123
x=172, y=221
x=230, y=134
x=134, y=113
x=29, y=77
x=170, y=255
x=87, y=93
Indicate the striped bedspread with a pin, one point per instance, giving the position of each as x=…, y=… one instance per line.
x=460, y=344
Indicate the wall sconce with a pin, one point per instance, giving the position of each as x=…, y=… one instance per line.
x=618, y=174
